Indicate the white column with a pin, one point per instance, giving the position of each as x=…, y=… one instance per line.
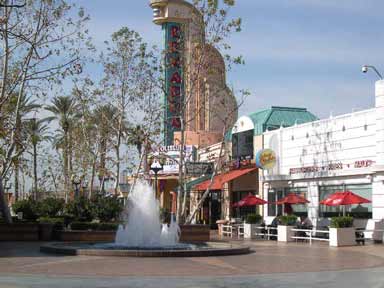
x=378, y=198
x=379, y=94
x=313, y=198
x=378, y=180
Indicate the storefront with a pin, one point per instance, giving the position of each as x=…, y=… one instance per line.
x=319, y=158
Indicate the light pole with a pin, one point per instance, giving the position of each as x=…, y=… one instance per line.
x=365, y=69
x=156, y=166
x=84, y=185
x=76, y=181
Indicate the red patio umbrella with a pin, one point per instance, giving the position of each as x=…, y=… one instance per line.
x=344, y=198
x=249, y=200
x=292, y=198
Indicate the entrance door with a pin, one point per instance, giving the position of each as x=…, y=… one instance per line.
x=215, y=208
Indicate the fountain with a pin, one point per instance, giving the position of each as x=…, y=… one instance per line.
x=143, y=227
x=144, y=235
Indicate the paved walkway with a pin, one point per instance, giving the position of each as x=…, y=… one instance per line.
x=271, y=264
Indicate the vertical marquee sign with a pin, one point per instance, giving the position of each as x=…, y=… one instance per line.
x=174, y=86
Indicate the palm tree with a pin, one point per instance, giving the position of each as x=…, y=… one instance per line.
x=105, y=120
x=65, y=110
x=26, y=106
x=37, y=132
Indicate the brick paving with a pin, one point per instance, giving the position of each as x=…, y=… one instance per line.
x=269, y=257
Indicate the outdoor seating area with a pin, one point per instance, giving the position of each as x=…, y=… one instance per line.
x=337, y=231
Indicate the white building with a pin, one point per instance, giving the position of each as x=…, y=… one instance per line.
x=318, y=158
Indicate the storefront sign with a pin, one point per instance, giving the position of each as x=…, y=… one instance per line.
x=265, y=159
x=198, y=168
x=331, y=167
x=174, y=79
x=171, y=156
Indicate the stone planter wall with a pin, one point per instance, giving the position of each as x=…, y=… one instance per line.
x=19, y=232
x=194, y=233
x=342, y=237
x=284, y=233
x=91, y=236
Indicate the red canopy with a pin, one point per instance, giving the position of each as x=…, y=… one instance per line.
x=249, y=200
x=344, y=198
x=219, y=180
x=292, y=198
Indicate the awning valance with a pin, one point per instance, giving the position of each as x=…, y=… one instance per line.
x=221, y=179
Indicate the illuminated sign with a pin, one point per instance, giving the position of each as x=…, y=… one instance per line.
x=265, y=159
x=174, y=86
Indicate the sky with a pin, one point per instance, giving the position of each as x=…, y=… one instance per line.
x=298, y=53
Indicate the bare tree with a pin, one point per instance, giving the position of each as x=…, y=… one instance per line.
x=38, y=39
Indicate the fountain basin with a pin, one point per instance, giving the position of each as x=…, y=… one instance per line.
x=182, y=250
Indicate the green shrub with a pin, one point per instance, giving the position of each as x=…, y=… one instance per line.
x=83, y=226
x=253, y=219
x=107, y=209
x=108, y=226
x=80, y=209
x=288, y=220
x=51, y=207
x=28, y=207
x=341, y=222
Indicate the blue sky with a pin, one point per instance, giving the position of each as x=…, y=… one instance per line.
x=305, y=53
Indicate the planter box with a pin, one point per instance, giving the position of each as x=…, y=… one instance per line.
x=284, y=233
x=194, y=233
x=19, y=232
x=342, y=237
x=46, y=231
x=250, y=230
x=86, y=236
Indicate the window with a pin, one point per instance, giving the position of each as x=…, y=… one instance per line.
x=357, y=211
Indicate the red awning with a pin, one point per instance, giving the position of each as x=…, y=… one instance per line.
x=219, y=180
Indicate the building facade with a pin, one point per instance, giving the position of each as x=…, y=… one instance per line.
x=238, y=175
x=318, y=158
x=197, y=99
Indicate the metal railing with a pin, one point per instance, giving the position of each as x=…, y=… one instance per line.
x=232, y=230
x=266, y=232
x=310, y=234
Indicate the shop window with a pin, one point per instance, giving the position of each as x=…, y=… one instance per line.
x=343, y=128
x=365, y=127
x=357, y=211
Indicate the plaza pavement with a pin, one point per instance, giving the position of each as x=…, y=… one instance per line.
x=271, y=264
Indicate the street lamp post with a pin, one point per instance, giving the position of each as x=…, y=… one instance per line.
x=84, y=185
x=365, y=69
x=76, y=181
x=156, y=166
